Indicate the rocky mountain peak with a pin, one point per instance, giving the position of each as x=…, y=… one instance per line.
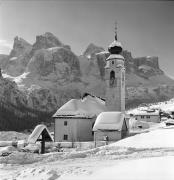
x=20, y=46
x=92, y=49
x=45, y=41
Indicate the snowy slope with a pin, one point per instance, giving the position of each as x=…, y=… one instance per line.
x=160, y=138
x=147, y=156
x=158, y=168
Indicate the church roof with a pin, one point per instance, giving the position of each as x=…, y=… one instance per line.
x=109, y=121
x=115, y=43
x=115, y=56
x=88, y=107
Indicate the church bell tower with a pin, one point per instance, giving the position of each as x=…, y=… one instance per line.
x=115, y=77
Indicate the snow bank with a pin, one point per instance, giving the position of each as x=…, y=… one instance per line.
x=134, y=124
x=158, y=168
x=21, y=158
x=159, y=138
x=7, y=149
x=5, y=143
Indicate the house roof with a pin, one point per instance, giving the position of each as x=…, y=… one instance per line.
x=88, y=107
x=146, y=113
x=109, y=121
x=37, y=132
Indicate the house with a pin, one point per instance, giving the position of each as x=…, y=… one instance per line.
x=148, y=116
x=75, y=119
x=113, y=125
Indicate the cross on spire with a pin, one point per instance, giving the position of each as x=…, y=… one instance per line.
x=116, y=30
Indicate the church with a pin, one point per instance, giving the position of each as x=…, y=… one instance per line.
x=92, y=118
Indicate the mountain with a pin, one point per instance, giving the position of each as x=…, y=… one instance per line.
x=15, y=112
x=91, y=50
x=145, y=81
x=20, y=47
x=15, y=63
x=47, y=74
x=51, y=72
x=3, y=60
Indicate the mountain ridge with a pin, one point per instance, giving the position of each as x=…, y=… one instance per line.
x=49, y=74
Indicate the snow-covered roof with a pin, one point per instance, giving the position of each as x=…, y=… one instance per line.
x=115, y=43
x=115, y=56
x=147, y=113
x=88, y=107
x=109, y=121
x=37, y=132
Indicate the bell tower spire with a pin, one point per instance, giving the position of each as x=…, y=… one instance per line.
x=115, y=30
x=115, y=77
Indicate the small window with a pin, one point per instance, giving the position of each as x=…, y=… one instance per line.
x=65, y=137
x=112, y=62
x=148, y=117
x=142, y=117
x=65, y=123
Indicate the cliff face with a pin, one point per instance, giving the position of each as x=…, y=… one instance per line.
x=20, y=47
x=16, y=62
x=53, y=64
x=143, y=76
x=3, y=60
x=145, y=67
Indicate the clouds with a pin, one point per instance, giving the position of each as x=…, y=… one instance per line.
x=5, y=46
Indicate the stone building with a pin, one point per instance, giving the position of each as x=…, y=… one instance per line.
x=75, y=119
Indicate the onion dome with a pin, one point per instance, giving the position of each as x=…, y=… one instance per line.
x=115, y=47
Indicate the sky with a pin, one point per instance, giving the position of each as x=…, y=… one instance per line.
x=146, y=28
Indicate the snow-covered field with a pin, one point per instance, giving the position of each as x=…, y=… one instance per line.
x=144, y=156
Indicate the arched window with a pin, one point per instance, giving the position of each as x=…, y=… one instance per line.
x=112, y=79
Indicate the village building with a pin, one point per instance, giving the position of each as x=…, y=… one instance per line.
x=75, y=119
x=110, y=126
x=148, y=116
